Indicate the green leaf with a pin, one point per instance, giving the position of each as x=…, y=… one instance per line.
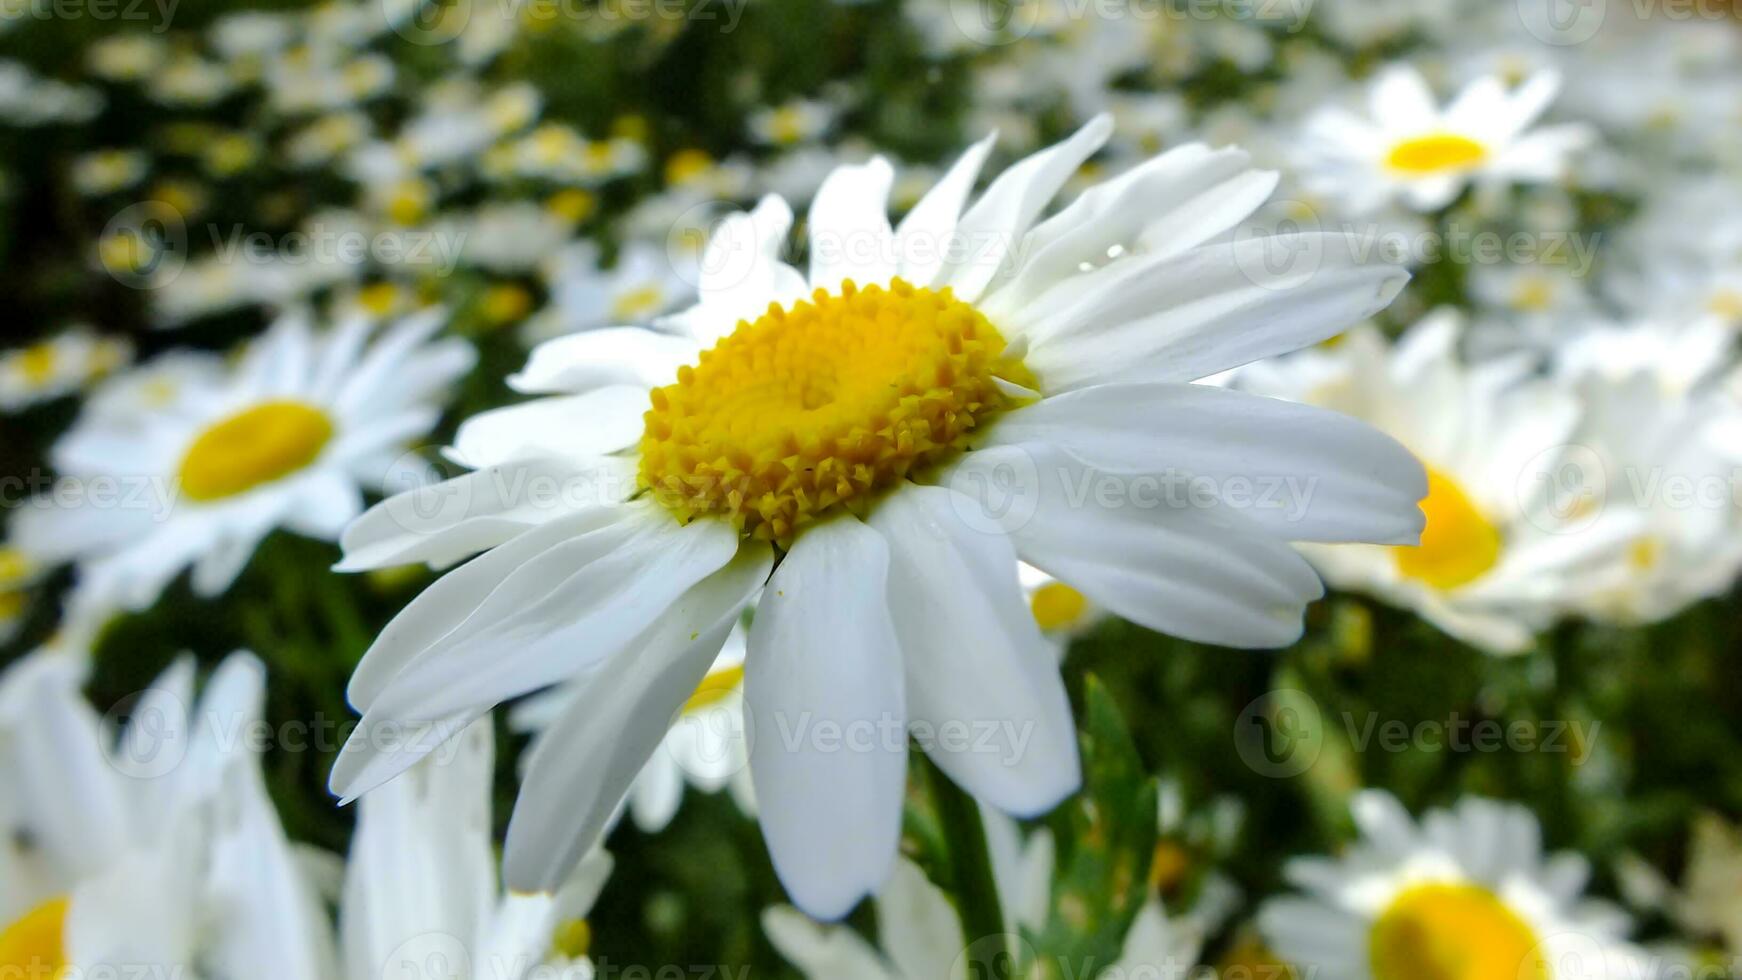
x=1105, y=837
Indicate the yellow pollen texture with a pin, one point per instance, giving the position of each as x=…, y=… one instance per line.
x=818, y=407
x=1438, y=153
x=261, y=444
x=1453, y=932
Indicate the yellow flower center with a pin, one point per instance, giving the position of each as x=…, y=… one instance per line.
x=572, y=939
x=818, y=407
x=256, y=446
x=573, y=205
x=1726, y=303
x=1458, y=545
x=37, y=362
x=715, y=687
x=1644, y=553
x=14, y=566
x=34, y=946
x=380, y=298
x=686, y=165
x=1436, y=153
x=1057, y=606
x=11, y=609
x=505, y=303
x=638, y=303
x=1533, y=295
x=1453, y=932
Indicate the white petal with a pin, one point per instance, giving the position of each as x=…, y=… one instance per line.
x=454, y=597
x=916, y=924
x=849, y=226
x=992, y=227
x=979, y=674
x=1201, y=574
x=823, y=692
x=1304, y=473
x=742, y=272
x=445, y=522
x=601, y=421
x=822, y=952
x=1175, y=201
x=607, y=356
x=583, y=765
x=421, y=862
x=558, y=614
x=1206, y=311
x=924, y=234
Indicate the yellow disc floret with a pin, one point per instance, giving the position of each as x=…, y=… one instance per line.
x=1453, y=932
x=820, y=406
x=1458, y=545
x=1435, y=154
x=258, y=445
x=35, y=945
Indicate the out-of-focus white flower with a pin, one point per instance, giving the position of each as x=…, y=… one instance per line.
x=504, y=236
x=106, y=171
x=287, y=438
x=1499, y=558
x=643, y=285
x=126, y=57
x=61, y=365
x=150, y=847
x=1655, y=433
x=792, y=123
x=707, y=746
x=421, y=882
x=1408, y=148
x=26, y=100
x=1467, y=892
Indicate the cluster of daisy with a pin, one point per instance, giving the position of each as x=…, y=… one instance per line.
x=1417, y=302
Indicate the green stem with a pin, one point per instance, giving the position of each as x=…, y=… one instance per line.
x=976, y=888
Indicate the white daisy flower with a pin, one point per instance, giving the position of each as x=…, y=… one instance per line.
x=1408, y=148
x=152, y=846
x=107, y=171
x=645, y=283
x=795, y=122
x=837, y=422
x=26, y=100
x=1658, y=428
x=705, y=748
x=61, y=365
x=1466, y=893
x=421, y=883
x=1504, y=549
x=288, y=438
